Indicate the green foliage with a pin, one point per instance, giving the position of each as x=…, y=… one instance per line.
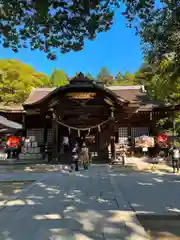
x=58, y=78
x=119, y=77
x=124, y=80
x=160, y=33
x=17, y=80
x=162, y=81
x=46, y=25
x=88, y=75
x=105, y=76
x=129, y=77
x=119, y=80
x=50, y=24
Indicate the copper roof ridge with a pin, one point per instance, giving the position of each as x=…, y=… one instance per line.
x=44, y=89
x=129, y=87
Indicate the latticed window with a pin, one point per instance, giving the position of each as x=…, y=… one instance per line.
x=123, y=135
x=139, y=131
x=49, y=135
x=38, y=133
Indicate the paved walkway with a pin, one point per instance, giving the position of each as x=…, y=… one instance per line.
x=145, y=163
x=150, y=193
x=84, y=205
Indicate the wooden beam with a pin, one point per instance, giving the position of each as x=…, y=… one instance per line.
x=78, y=113
x=77, y=116
x=82, y=108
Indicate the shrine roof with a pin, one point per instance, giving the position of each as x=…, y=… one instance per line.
x=126, y=93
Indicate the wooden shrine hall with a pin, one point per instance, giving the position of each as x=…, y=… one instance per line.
x=103, y=116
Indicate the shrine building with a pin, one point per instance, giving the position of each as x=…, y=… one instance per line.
x=87, y=109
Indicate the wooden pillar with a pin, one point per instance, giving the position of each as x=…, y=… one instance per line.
x=45, y=137
x=57, y=142
x=174, y=126
x=153, y=131
x=152, y=123
x=113, y=146
x=130, y=141
x=45, y=130
x=24, y=120
x=54, y=140
x=129, y=131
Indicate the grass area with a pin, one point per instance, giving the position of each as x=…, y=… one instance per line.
x=9, y=188
x=161, y=227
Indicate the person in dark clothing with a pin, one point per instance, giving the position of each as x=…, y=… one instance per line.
x=75, y=157
x=175, y=158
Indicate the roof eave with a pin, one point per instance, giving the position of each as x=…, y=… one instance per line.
x=56, y=90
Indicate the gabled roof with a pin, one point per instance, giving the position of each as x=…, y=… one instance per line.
x=38, y=94
x=13, y=108
x=131, y=93
x=125, y=93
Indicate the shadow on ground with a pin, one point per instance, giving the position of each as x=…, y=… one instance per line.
x=161, y=226
x=155, y=199
x=69, y=206
x=10, y=188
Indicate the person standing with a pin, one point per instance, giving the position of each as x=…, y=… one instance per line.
x=85, y=156
x=175, y=158
x=123, y=155
x=75, y=157
x=13, y=146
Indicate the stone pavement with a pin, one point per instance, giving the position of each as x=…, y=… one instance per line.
x=147, y=164
x=150, y=193
x=63, y=205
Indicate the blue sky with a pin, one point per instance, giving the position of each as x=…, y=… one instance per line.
x=118, y=50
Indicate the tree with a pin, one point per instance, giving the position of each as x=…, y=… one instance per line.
x=129, y=77
x=160, y=33
x=119, y=77
x=159, y=81
x=17, y=80
x=105, y=76
x=88, y=75
x=144, y=76
x=58, y=78
x=162, y=85
x=126, y=80
x=51, y=24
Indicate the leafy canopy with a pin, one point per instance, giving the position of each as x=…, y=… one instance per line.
x=160, y=32
x=47, y=25
x=61, y=24
x=58, y=78
x=88, y=75
x=105, y=76
x=17, y=80
x=163, y=83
